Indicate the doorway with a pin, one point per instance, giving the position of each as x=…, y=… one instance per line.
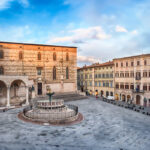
x=39, y=88
x=138, y=100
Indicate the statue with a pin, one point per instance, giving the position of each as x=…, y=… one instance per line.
x=50, y=94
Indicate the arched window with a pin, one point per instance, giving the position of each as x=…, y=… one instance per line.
x=39, y=56
x=67, y=56
x=54, y=56
x=20, y=55
x=67, y=73
x=1, y=54
x=54, y=73
x=1, y=70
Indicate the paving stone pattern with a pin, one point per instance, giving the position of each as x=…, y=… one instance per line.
x=105, y=127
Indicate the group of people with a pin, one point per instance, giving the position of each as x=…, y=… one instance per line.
x=90, y=93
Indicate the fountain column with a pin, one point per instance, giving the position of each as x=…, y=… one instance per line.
x=8, y=96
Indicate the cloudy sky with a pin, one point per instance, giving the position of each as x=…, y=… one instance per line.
x=101, y=29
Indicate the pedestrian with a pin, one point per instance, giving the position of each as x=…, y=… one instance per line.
x=96, y=94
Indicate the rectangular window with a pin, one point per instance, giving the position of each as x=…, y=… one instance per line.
x=117, y=86
x=95, y=83
x=122, y=64
x=131, y=74
x=103, y=84
x=90, y=83
x=126, y=86
x=111, y=84
x=138, y=63
x=116, y=64
x=126, y=75
x=117, y=75
x=144, y=74
x=39, y=71
x=132, y=86
x=145, y=87
x=132, y=63
x=145, y=62
x=122, y=75
x=121, y=86
x=99, y=83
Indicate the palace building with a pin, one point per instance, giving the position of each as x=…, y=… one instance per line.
x=132, y=79
x=97, y=78
x=29, y=69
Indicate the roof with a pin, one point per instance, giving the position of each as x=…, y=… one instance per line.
x=142, y=55
x=110, y=63
x=36, y=44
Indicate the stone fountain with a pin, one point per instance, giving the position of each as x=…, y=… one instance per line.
x=51, y=111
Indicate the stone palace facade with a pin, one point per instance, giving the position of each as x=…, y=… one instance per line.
x=125, y=78
x=97, y=77
x=29, y=69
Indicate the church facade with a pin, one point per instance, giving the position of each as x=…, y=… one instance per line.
x=29, y=69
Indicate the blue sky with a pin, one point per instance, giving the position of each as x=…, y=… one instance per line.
x=101, y=29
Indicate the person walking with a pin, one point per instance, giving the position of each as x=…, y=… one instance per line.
x=96, y=94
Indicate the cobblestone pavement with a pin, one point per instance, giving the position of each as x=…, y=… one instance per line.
x=105, y=127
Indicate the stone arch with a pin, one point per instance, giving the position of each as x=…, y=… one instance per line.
x=116, y=96
x=107, y=93
x=111, y=94
x=123, y=97
x=3, y=93
x=17, y=92
x=102, y=92
x=138, y=99
x=128, y=97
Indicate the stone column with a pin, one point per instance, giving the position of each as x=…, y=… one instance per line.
x=120, y=97
x=8, y=96
x=27, y=95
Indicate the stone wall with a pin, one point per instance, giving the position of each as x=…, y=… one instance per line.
x=28, y=65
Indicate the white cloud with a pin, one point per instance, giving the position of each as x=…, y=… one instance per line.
x=87, y=59
x=121, y=29
x=135, y=32
x=82, y=35
x=5, y=4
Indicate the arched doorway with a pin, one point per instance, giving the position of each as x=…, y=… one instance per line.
x=17, y=92
x=3, y=94
x=138, y=99
x=117, y=97
x=128, y=97
x=107, y=93
x=102, y=93
x=123, y=98
x=111, y=93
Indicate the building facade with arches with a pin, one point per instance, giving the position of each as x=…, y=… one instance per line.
x=132, y=79
x=26, y=70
